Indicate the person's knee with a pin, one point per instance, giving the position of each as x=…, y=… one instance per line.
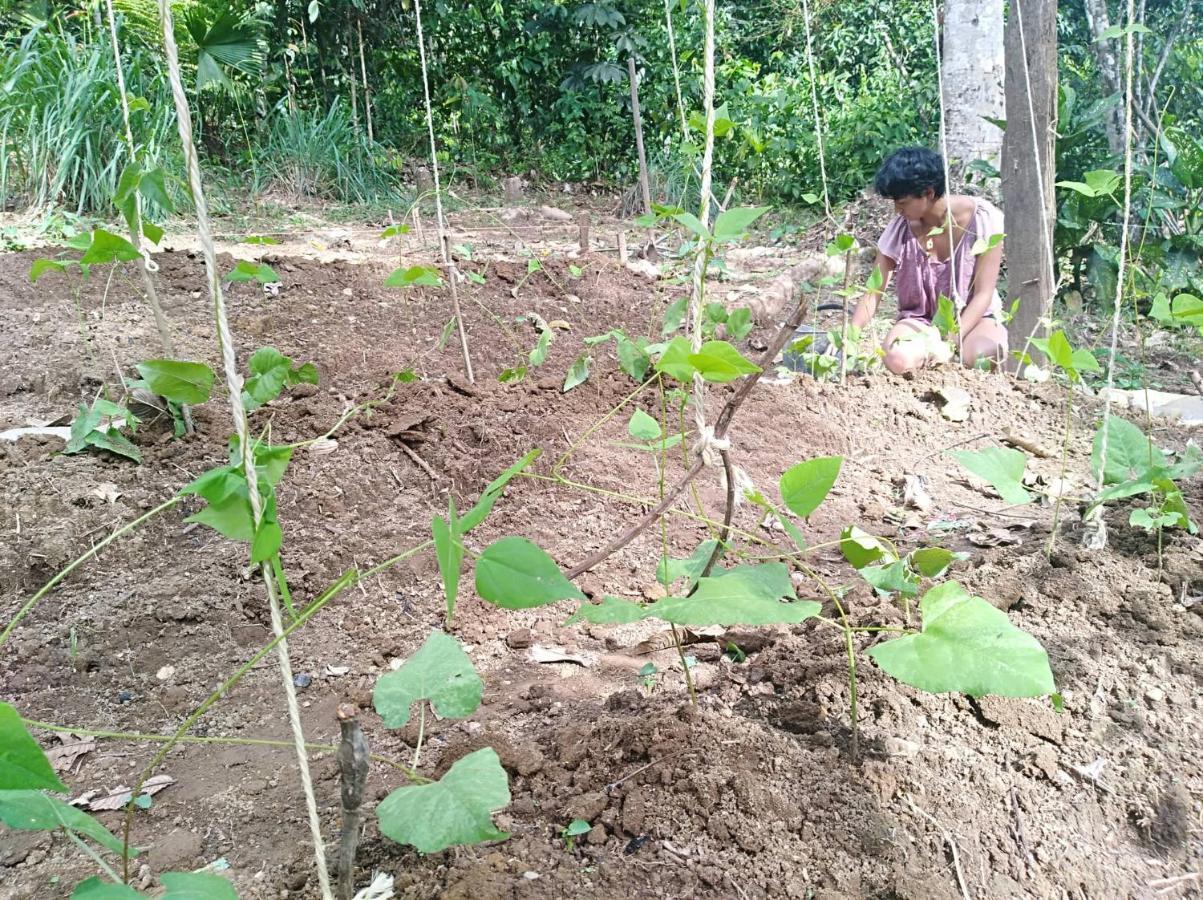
x=899, y=360
x=981, y=348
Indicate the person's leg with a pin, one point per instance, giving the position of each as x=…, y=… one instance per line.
x=908, y=345
x=988, y=340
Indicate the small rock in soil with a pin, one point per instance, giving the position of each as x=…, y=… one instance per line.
x=178, y=848
x=519, y=639
x=302, y=680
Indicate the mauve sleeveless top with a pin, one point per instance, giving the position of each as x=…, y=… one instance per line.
x=920, y=280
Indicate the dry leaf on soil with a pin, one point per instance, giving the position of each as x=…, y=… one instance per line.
x=96, y=801
x=67, y=753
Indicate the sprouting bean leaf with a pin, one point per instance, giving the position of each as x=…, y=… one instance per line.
x=440, y=672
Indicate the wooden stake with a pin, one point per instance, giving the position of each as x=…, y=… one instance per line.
x=583, y=222
x=622, y=247
x=644, y=186
x=353, y=768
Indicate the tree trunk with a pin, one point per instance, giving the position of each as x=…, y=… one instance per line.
x=644, y=187
x=1027, y=163
x=973, y=80
x=1107, y=60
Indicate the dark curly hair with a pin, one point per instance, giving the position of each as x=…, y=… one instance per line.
x=908, y=172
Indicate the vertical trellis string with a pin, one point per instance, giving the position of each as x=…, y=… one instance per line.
x=234, y=384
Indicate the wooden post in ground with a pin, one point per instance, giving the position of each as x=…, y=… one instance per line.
x=1027, y=165
x=644, y=186
x=583, y=221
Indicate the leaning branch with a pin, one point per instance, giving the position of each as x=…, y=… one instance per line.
x=722, y=425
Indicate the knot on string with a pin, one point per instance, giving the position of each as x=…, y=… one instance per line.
x=708, y=446
x=148, y=259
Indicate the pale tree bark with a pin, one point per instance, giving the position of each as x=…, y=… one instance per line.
x=1027, y=164
x=1107, y=60
x=973, y=64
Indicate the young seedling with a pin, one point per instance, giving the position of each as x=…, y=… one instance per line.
x=573, y=830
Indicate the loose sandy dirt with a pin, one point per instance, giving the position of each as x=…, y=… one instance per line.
x=753, y=792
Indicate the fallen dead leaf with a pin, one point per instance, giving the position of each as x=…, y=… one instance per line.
x=67, y=754
x=336, y=671
x=665, y=640
x=120, y=796
x=106, y=491
x=555, y=655
x=956, y=403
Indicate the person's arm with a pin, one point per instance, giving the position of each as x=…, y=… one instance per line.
x=985, y=280
x=867, y=305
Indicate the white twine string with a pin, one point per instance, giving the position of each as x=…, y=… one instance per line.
x=444, y=244
x=234, y=384
x=705, y=444
x=1095, y=537
x=814, y=102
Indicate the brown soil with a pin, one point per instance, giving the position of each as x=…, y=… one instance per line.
x=752, y=793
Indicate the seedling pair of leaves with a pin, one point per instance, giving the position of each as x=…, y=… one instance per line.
x=643, y=427
x=271, y=372
x=179, y=382
x=716, y=361
x=247, y=270
x=151, y=186
x=100, y=247
x=738, y=321
x=448, y=533
x=1136, y=466
x=886, y=572
x=98, y=427
x=26, y=776
x=458, y=808
x=227, y=495
x=1186, y=309
x=633, y=354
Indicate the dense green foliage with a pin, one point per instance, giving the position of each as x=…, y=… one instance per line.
x=541, y=86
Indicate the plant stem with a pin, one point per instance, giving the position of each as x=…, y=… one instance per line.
x=48, y=586
x=1052, y=537
x=95, y=857
x=588, y=432
x=421, y=736
x=193, y=739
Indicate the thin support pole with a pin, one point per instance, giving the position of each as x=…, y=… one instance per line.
x=145, y=264
x=444, y=242
x=814, y=102
x=234, y=383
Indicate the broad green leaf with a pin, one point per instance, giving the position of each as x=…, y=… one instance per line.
x=578, y=372
x=267, y=541
x=643, y=427
x=932, y=562
x=693, y=223
x=515, y=574
x=1160, y=310
x=739, y=323
x=1189, y=309
x=95, y=889
x=675, y=360
x=969, y=647
x=258, y=239
x=863, y=549
x=1002, y=467
x=449, y=552
x=1189, y=462
x=152, y=231
x=85, y=422
x=719, y=362
x=842, y=244
x=271, y=370
x=539, y=353
x=768, y=580
x=807, y=484
x=196, y=886
x=35, y=811
x=1129, y=453
x=41, y=266
x=674, y=315
x=440, y=672
x=414, y=276
x=892, y=578
x=107, y=247
x=745, y=595
x=945, y=319
x=115, y=442
x=1056, y=347
x=229, y=506
x=246, y=270
x=489, y=495
x=1152, y=519
x=22, y=762
x=984, y=245
x=610, y=611
x=153, y=188
x=1084, y=361
x=457, y=809
x=669, y=570
x=183, y=382
x=732, y=223
x=632, y=359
